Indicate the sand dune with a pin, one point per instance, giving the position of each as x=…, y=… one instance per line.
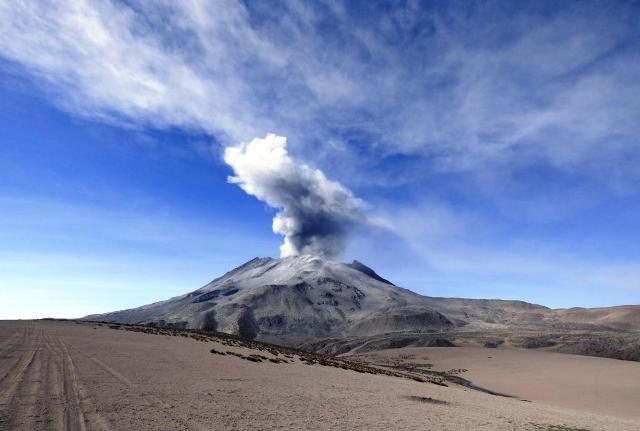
x=62, y=375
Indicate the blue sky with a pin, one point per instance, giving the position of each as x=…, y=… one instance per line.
x=494, y=145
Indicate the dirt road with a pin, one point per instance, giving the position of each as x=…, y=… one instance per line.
x=41, y=388
x=38, y=387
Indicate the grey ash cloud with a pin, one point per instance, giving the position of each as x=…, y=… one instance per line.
x=314, y=215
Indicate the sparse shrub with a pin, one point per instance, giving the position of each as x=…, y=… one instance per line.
x=259, y=357
x=536, y=342
x=306, y=357
x=425, y=399
x=492, y=344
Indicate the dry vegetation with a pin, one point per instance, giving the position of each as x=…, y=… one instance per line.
x=581, y=340
x=288, y=354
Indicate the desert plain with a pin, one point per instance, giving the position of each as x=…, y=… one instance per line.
x=90, y=376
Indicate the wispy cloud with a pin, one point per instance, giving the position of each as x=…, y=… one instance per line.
x=466, y=244
x=109, y=60
x=495, y=85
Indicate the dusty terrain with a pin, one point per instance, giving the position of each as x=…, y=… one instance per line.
x=583, y=383
x=66, y=375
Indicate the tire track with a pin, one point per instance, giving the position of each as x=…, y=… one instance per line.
x=43, y=388
x=54, y=392
x=74, y=417
x=13, y=379
x=6, y=344
x=68, y=411
x=32, y=405
x=51, y=401
x=23, y=406
x=78, y=408
x=138, y=392
x=11, y=348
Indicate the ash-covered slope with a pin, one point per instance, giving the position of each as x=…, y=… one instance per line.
x=304, y=299
x=294, y=300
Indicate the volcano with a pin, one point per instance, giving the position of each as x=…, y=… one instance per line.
x=302, y=299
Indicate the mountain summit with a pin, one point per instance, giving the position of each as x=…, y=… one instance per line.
x=299, y=299
x=292, y=300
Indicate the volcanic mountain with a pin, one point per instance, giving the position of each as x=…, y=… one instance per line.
x=306, y=298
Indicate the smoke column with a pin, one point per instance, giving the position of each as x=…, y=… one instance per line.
x=315, y=214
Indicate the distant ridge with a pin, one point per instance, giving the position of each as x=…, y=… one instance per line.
x=370, y=272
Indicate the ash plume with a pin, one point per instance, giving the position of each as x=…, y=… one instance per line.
x=315, y=214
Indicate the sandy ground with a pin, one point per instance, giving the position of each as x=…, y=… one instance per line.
x=599, y=385
x=62, y=375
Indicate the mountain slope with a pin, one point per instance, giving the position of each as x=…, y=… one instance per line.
x=303, y=299
x=293, y=300
x=619, y=317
